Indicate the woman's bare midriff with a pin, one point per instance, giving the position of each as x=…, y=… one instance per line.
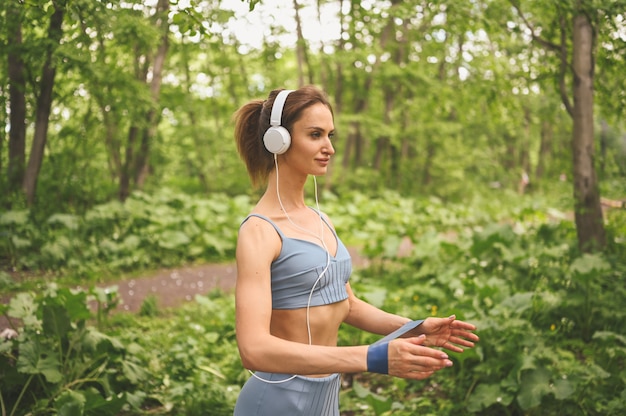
x=290, y=324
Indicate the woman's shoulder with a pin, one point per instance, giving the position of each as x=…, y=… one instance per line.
x=258, y=223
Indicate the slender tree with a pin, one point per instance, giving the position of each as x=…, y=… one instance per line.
x=141, y=133
x=44, y=102
x=575, y=50
x=17, y=98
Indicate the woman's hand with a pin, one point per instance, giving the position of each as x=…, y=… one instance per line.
x=448, y=333
x=409, y=358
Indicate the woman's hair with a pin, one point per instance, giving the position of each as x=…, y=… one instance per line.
x=253, y=119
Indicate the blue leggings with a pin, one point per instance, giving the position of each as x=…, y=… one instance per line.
x=300, y=396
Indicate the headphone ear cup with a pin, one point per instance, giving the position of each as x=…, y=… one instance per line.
x=277, y=139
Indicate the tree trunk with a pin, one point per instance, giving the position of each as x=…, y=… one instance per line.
x=524, y=151
x=152, y=118
x=588, y=211
x=44, y=104
x=136, y=165
x=428, y=162
x=604, y=140
x=17, y=99
x=125, y=173
x=545, y=149
x=301, y=49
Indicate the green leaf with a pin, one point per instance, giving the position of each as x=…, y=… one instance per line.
x=95, y=341
x=486, y=395
x=23, y=306
x=134, y=372
x=95, y=404
x=68, y=220
x=171, y=239
x=56, y=321
x=34, y=359
x=58, y=249
x=213, y=371
x=14, y=217
x=535, y=385
x=218, y=244
x=563, y=389
x=75, y=302
x=375, y=295
x=19, y=242
x=378, y=402
x=516, y=304
x=590, y=263
x=70, y=403
x=391, y=245
x=608, y=335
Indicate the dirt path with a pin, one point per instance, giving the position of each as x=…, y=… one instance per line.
x=172, y=287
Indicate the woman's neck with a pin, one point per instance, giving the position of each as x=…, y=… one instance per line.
x=287, y=195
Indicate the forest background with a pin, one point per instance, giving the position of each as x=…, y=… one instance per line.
x=489, y=134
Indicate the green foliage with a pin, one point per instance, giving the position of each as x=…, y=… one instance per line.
x=549, y=318
x=59, y=364
x=195, y=366
x=163, y=229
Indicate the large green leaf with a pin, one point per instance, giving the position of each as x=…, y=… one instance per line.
x=589, y=264
x=535, y=385
x=563, y=389
x=97, y=405
x=56, y=321
x=134, y=372
x=171, y=239
x=486, y=395
x=24, y=307
x=14, y=217
x=70, y=403
x=70, y=221
x=35, y=359
x=73, y=301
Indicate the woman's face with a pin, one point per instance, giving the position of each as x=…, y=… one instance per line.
x=311, y=136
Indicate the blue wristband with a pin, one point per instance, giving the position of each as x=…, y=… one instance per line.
x=377, y=358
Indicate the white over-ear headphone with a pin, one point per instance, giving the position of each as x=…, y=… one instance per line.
x=277, y=138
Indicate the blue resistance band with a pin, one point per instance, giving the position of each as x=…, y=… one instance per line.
x=377, y=353
x=377, y=358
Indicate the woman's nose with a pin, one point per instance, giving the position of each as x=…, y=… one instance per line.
x=329, y=149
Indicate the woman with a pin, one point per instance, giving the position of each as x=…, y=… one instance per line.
x=292, y=290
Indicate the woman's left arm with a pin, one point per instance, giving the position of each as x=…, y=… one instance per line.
x=448, y=333
x=369, y=318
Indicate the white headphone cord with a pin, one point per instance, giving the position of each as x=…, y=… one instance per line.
x=321, y=238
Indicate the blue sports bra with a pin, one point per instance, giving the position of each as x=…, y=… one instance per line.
x=299, y=265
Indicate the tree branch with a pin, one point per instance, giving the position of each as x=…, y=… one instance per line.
x=543, y=42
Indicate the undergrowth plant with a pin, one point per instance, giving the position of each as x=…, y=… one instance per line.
x=550, y=318
x=147, y=231
x=60, y=364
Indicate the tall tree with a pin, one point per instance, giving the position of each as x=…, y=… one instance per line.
x=149, y=70
x=44, y=101
x=17, y=97
x=577, y=23
x=302, y=54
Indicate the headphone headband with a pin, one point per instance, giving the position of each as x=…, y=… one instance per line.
x=277, y=107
